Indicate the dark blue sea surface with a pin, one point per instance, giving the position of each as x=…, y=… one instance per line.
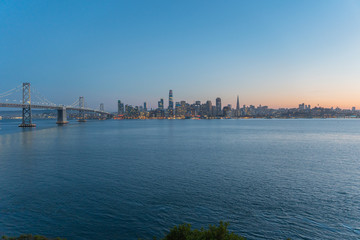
x=130, y=179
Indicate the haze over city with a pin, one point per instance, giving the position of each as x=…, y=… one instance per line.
x=274, y=53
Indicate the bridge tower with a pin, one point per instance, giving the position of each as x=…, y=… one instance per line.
x=26, y=111
x=101, y=115
x=81, y=111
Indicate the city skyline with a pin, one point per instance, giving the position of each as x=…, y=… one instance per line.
x=218, y=110
x=233, y=102
x=275, y=53
x=219, y=104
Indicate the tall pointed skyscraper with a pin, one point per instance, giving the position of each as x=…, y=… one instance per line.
x=237, y=103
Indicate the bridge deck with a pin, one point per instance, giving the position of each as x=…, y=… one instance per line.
x=17, y=105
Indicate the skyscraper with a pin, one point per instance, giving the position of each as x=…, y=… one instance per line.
x=208, y=108
x=120, y=108
x=161, y=104
x=218, y=106
x=237, y=103
x=145, y=109
x=171, y=100
x=171, y=103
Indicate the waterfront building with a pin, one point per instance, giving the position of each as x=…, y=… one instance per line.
x=131, y=112
x=120, y=108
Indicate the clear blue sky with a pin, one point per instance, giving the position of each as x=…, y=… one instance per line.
x=276, y=53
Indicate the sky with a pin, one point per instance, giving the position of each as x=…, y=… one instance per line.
x=277, y=53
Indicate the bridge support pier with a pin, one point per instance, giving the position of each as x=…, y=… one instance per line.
x=61, y=116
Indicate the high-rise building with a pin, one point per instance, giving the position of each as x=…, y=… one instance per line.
x=171, y=104
x=120, y=108
x=302, y=106
x=161, y=104
x=227, y=111
x=208, y=108
x=183, y=109
x=145, y=109
x=237, y=103
x=197, y=108
x=218, y=106
x=101, y=107
x=128, y=109
x=171, y=100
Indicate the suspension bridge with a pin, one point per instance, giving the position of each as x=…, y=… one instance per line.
x=31, y=99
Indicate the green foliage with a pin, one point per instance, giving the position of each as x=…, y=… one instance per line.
x=181, y=232
x=184, y=232
x=30, y=237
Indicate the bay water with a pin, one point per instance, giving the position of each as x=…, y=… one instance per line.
x=130, y=179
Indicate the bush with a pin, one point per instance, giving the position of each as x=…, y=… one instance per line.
x=30, y=237
x=184, y=232
x=181, y=232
